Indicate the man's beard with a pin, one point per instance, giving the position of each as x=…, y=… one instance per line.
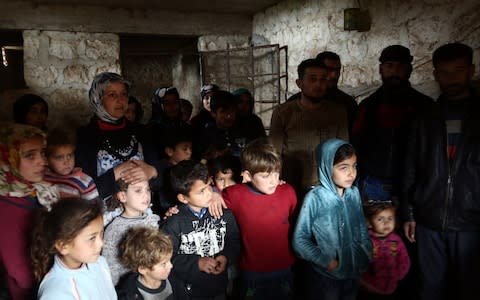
x=395, y=82
x=314, y=99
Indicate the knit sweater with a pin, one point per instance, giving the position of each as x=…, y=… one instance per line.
x=89, y=282
x=114, y=232
x=295, y=131
x=390, y=263
x=265, y=222
x=75, y=184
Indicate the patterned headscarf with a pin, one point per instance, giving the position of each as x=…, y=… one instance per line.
x=12, y=184
x=99, y=83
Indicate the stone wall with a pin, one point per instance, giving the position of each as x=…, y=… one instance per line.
x=308, y=27
x=60, y=66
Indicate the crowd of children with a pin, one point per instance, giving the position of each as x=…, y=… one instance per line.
x=98, y=244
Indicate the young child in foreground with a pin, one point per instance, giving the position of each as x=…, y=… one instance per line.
x=331, y=233
x=135, y=200
x=264, y=210
x=390, y=261
x=73, y=231
x=147, y=253
x=203, y=246
x=69, y=180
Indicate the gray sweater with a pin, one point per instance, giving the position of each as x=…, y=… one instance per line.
x=114, y=233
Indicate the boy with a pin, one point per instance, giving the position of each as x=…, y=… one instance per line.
x=264, y=210
x=147, y=252
x=202, y=245
x=225, y=170
x=177, y=147
x=70, y=181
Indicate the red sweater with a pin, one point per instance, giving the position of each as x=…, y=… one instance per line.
x=265, y=223
x=390, y=263
x=15, y=227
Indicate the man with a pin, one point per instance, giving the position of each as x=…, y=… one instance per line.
x=441, y=191
x=334, y=68
x=379, y=133
x=298, y=126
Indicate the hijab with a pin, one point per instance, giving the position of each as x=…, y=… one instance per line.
x=99, y=83
x=12, y=183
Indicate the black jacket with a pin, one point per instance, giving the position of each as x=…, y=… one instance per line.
x=127, y=288
x=380, y=131
x=437, y=193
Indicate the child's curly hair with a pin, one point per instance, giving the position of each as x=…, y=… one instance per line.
x=144, y=247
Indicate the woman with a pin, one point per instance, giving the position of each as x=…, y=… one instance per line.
x=22, y=191
x=110, y=147
x=32, y=110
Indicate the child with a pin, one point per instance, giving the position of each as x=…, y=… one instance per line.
x=72, y=231
x=31, y=109
x=69, y=180
x=178, y=147
x=331, y=234
x=202, y=245
x=390, y=261
x=225, y=171
x=135, y=200
x=147, y=253
x=264, y=210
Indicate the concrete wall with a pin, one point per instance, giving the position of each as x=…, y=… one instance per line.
x=59, y=66
x=310, y=26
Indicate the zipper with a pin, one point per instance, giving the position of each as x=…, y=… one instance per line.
x=449, y=180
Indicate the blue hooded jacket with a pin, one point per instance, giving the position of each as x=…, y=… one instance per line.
x=332, y=227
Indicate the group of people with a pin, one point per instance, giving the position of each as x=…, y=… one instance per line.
x=211, y=208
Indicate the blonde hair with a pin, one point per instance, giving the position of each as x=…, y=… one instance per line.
x=144, y=247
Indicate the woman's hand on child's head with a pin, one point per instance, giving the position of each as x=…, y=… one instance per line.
x=207, y=264
x=221, y=264
x=216, y=206
x=332, y=265
x=170, y=212
x=134, y=171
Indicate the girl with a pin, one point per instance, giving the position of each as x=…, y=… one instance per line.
x=22, y=191
x=331, y=233
x=135, y=200
x=31, y=110
x=390, y=262
x=69, y=237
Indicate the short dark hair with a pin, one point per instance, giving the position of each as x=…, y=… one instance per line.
x=176, y=136
x=222, y=99
x=344, y=152
x=226, y=162
x=184, y=174
x=322, y=56
x=309, y=63
x=58, y=137
x=22, y=106
x=371, y=208
x=452, y=51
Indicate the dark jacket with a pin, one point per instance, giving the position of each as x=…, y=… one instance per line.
x=194, y=238
x=438, y=193
x=89, y=139
x=381, y=128
x=127, y=288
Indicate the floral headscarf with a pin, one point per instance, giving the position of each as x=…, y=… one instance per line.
x=99, y=83
x=12, y=184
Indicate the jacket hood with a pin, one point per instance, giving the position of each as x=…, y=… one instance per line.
x=325, y=153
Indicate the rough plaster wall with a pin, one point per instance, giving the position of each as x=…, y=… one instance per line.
x=309, y=27
x=60, y=66
x=147, y=73
x=186, y=77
